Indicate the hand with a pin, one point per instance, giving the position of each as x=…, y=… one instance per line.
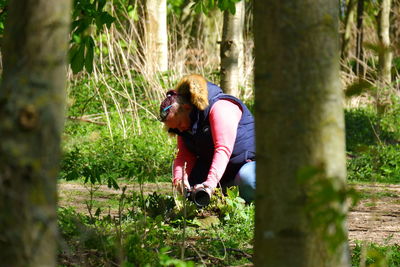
x=201, y=195
x=178, y=185
x=207, y=188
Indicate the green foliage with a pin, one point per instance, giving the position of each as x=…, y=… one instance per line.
x=144, y=236
x=176, y=6
x=167, y=261
x=85, y=99
x=81, y=53
x=396, y=65
x=159, y=205
x=389, y=122
x=360, y=129
x=375, y=255
x=232, y=206
x=326, y=198
x=239, y=221
x=357, y=88
x=206, y=5
x=140, y=246
x=84, y=236
x=376, y=164
x=3, y=15
x=364, y=127
x=373, y=145
x=86, y=15
x=96, y=158
x=137, y=239
x=92, y=153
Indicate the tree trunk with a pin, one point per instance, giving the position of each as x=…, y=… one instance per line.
x=156, y=40
x=395, y=28
x=385, y=53
x=32, y=100
x=232, y=50
x=299, y=126
x=360, y=70
x=348, y=21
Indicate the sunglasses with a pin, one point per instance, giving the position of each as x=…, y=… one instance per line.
x=164, y=113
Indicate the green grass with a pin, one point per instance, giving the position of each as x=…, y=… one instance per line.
x=89, y=152
x=373, y=151
x=375, y=255
x=378, y=195
x=137, y=237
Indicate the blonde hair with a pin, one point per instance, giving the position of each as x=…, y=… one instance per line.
x=193, y=87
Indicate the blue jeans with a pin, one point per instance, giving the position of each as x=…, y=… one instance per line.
x=246, y=181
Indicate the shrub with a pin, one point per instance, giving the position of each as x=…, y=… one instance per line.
x=376, y=164
x=360, y=128
x=376, y=255
x=89, y=153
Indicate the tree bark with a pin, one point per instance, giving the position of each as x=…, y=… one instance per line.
x=156, y=40
x=360, y=71
x=395, y=28
x=232, y=50
x=385, y=53
x=348, y=21
x=32, y=101
x=299, y=124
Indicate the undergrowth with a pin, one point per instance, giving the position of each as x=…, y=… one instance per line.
x=375, y=255
x=373, y=145
x=90, y=154
x=147, y=231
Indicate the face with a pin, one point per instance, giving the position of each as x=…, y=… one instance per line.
x=179, y=120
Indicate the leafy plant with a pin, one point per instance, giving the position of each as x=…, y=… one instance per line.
x=376, y=164
x=167, y=261
x=232, y=205
x=159, y=205
x=360, y=128
x=86, y=15
x=375, y=255
x=92, y=156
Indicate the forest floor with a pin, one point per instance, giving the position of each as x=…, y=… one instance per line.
x=376, y=217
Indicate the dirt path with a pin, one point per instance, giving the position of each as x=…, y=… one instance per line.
x=376, y=218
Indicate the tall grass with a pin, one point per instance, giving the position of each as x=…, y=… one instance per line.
x=124, y=82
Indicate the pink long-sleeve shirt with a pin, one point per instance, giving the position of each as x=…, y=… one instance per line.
x=224, y=119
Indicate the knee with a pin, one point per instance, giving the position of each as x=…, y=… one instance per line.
x=246, y=180
x=247, y=175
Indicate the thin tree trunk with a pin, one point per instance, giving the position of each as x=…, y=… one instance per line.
x=360, y=71
x=395, y=28
x=140, y=25
x=348, y=21
x=299, y=125
x=385, y=53
x=232, y=50
x=32, y=97
x=156, y=34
